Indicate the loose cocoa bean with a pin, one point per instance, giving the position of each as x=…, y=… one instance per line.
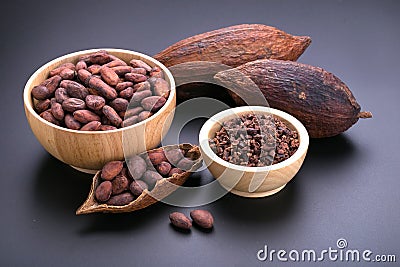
x=137, y=166
x=180, y=220
x=153, y=103
x=42, y=105
x=127, y=93
x=84, y=116
x=143, y=86
x=144, y=115
x=103, y=191
x=91, y=126
x=164, y=168
x=121, y=199
x=61, y=94
x=137, y=187
x=135, y=77
x=111, y=169
x=202, y=218
x=119, y=104
x=112, y=115
x=109, y=76
x=74, y=89
x=160, y=87
x=56, y=110
x=95, y=102
x=151, y=177
x=71, y=123
x=137, y=63
x=40, y=92
x=119, y=184
x=48, y=116
x=73, y=104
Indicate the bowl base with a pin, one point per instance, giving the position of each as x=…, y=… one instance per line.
x=257, y=194
x=84, y=170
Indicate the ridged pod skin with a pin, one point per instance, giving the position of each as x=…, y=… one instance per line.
x=236, y=45
x=320, y=100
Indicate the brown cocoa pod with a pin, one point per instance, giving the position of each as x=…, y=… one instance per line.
x=91, y=126
x=130, y=121
x=71, y=123
x=180, y=220
x=122, y=70
x=73, y=104
x=109, y=76
x=144, y=115
x=137, y=166
x=133, y=111
x=174, y=171
x=115, y=63
x=156, y=157
x=57, y=110
x=100, y=57
x=107, y=127
x=102, y=88
x=254, y=41
x=123, y=85
x=135, y=77
x=112, y=115
x=84, y=76
x=103, y=191
x=139, y=96
x=84, y=116
x=119, y=184
x=143, y=86
x=48, y=116
x=119, y=104
x=95, y=102
x=320, y=100
x=163, y=168
x=81, y=65
x=151, y=177
x=61, y=94
x=137, y=187
x=160, y=87
x=173, y=156
x=202, y=218
x=42, y=105
x=139, y=71
x=74, y=89
x=121, y=199
x=40, y=92
x=111, y=169
x=127, y=93
x=67, y=74
x=137, y=63
x=153, y=103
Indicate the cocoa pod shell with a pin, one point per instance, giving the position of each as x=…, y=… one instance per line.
x=320, y=100
x=236, y=45
x=163, y=188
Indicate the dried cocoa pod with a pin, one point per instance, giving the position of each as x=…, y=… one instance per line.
x=74, y=89
x=111, y=169
x=202, y=218
x=102, y=88
x=107, y=127
x=151, y=177
x=137, y=166
x=143, y=86
x=119, y=184
x=48, y=116
x=121, y=199
x=122, y=70
x=137, y=63
x=95, y=102
x=320, y=100
x=119, y=104
x=112, y=115
x=139, y=96
x=127, y=93
x=123, y=85
x=137, y=187
x=73, y=104
x=153, y=103
x=71, y=123
x=42, y=105
x=100, y=57
x=57, y=110
x=160, y=87
x=91, y=126
x=61, y=94
x=144, y=115
x=40, y=92
x=130, y=121
x=109, y=76
x=236, y=45
x=84, y=116
x=163, y=168
x=180, y=220
x=135, y=77
x=103, y=191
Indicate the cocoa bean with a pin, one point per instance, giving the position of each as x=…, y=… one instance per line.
x=174, y=171
x=109, y=76
x=71, y=123
x=135, y=77
x=48, y=116
x=139, y=96
x=84, y=116
x=156, y=157
x=153, y=103
x=40, y=92
x=102, y=88
x=61, y=94
x=100, y=58
x=116, y=62
x=57, y=110
x=121, y=199
x=94, y=69
x=130, y=121
x=144, y=115
x=123, y=85
x=151, y=177
x=107, y=128
x=202, y=218
x=84, y=76
x=119, y=104
x=137, y=63
x=180, y=220
x=61, y=68
x=103, y=191
x=163, y=168
x=81, y=65
x=137, y=166
x=111, y=169
x=143, y=86
x=73, y=104
x=119, y=184
x=122, y=70
x=139, y=71
x=75, y=89
x=52, y=83
x=127, y=93
x=160, y=87
x=112, y=115
x=137, y=187
x=156, y=72
x=67, y=74
x=133, y=111
x=95, y=102
x=173, y=156
x=91, y=126
x=185, y=164
x=42, y=105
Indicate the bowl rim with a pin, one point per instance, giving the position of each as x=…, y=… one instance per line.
x=221, y=117
x=27, y=96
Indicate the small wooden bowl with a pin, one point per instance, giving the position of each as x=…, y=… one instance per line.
x=252, y=181
x=88, y=151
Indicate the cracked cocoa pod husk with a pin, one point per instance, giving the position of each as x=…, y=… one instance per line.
x=136, y=195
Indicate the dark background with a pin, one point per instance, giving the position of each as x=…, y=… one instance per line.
x=347, y=188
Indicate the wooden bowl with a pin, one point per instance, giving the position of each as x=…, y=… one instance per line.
x=252, y=181
x=88, y=151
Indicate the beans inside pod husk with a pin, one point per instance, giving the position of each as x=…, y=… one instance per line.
x=162, y=188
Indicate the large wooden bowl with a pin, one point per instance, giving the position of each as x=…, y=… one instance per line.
x=252, y=181
x=89, y=151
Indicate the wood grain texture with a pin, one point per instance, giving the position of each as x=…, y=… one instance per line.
x=86, y=150
x=252, y=181
x=236, y=45
x=163, y=188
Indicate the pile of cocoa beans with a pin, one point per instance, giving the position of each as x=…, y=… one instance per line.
x=94, y=93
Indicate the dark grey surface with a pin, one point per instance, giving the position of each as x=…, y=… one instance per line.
x=347, y=188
